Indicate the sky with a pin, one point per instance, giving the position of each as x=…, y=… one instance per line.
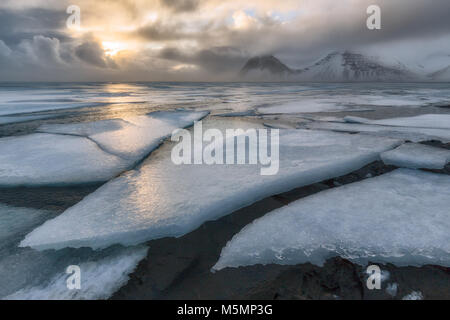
x=206, y=40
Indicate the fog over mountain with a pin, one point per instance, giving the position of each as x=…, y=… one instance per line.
x=336, y=67
x=212, y=40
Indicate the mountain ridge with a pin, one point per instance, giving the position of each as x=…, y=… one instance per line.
x=337, y=66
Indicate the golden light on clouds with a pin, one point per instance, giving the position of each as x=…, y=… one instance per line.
x=200, y=39
x=112, y=48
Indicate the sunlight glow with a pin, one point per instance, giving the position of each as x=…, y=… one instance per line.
x=112, y=48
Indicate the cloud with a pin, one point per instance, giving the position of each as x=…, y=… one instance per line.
x=218, y=59
x=164, y=39
x=92, y=53
x=16, y=26
x=181, y=5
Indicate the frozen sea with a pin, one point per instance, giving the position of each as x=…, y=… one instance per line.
x=86, y=177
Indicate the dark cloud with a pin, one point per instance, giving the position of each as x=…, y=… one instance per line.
x=16, y=26
x=217, y=59
x=34, y=41
x=159, y=31
x=181, y=5
x=92, y=52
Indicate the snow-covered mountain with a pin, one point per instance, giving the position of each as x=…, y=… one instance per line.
x=337, y=66
x=349, y=66
x=441, y=75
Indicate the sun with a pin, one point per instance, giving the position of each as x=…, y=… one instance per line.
x=112, y=47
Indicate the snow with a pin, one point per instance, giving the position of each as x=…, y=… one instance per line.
x=401, y=217
x=48, y=159
x=417, y=156
x=85, y=152
x=162, y=199
x=415, y=295
x=348, y=66
x=99, y=279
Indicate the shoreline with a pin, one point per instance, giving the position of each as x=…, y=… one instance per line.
x=179, y=268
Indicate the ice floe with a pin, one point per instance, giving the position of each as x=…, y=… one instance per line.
x=436, y=121
x=85, y=152
x=412, y=134
x=162, y=199
x=50, y=159
x=130, y=138
x=306, y=105
x=417, y=156
x=401, y=217
x=99, y=279
x=30, y=274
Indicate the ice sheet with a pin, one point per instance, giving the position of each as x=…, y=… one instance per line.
x=85, y=152
x=417, y=156
x=130, y=138
x=305, y=105
x=436, y=121
x=30, y=274
x=9, y=119
x=401, y=217
x=407, y=133
x=99, y=279
x=49, y=159
x=163, y=199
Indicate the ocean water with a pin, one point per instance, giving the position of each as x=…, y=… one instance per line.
x=24, y=107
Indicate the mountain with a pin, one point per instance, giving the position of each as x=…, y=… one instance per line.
x=441, y=75
x=265, y=66
x=336, y=66
x=349, y=66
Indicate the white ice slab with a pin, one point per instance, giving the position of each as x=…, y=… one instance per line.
x=407, y=133
x=436, y=121
x=163, y=199
x=99, y=279
x=85, y=152
x=30, y=274
x=401, y=217
x=49, y=159
x=417, y=156
x=131, y=138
